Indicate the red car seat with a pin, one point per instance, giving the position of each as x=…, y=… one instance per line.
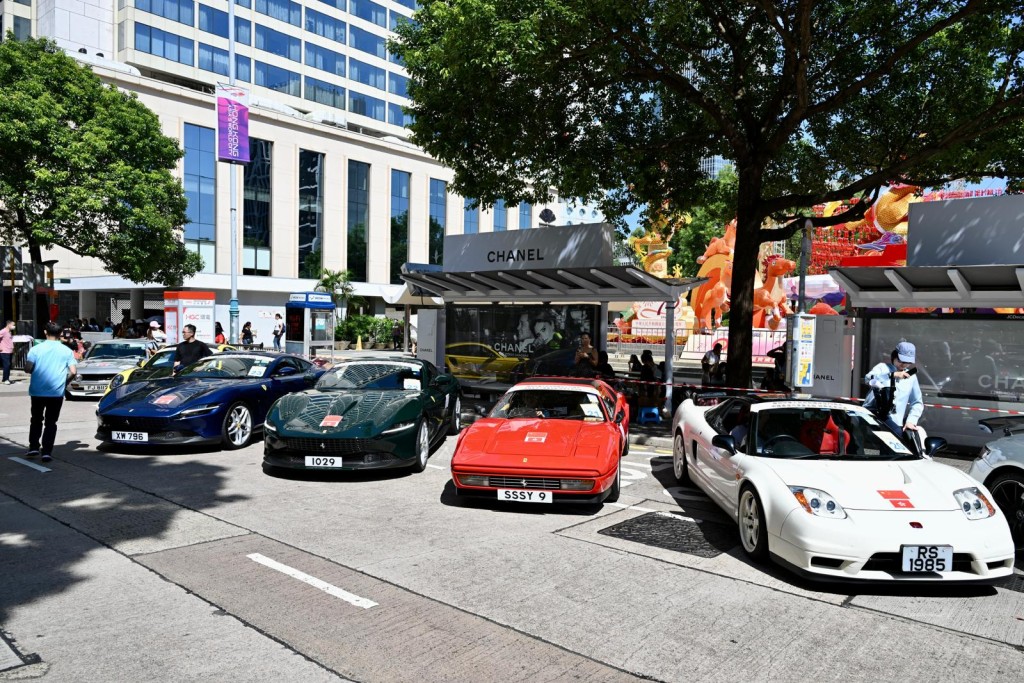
x=822, y=436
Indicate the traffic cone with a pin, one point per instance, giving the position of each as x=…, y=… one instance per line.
x=359, y=342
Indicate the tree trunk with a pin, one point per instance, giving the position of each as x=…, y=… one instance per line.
x=39, y=288
x=741, y=304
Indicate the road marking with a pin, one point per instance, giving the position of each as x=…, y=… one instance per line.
x=437, y=467
x=630, y=507
x=350, y=598
x=27, y=463
x=673, y=515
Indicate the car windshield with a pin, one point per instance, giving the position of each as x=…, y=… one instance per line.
x=551, y=403
x=372, y=376
x=163, y=359
x=229, y=367
x=820, y=433
x=116, y=350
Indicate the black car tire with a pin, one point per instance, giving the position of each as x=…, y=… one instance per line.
x=422, y=447
x=753, y=525
x=1008, y=493
x=237, y=428
x=613, y=493
x=456, y=422
x=680, y=466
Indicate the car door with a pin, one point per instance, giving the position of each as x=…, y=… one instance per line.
x=286, y=376
x=707, y=457
x=436, y=399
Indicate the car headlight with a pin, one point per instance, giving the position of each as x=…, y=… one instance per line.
x=472, y=479
x=577, y=484
x=401, y=426
x=974, y=503
x=117, y=381
x=201, y=410
x=270, y=426
x=818, y=502
x=78, y=378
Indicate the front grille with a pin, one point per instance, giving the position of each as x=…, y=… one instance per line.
x=99, y=377
x=891, y=563
x=335, y=446
x=524, y=483
x=134, y=424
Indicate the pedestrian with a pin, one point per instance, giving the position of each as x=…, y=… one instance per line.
x=152, y=346
x=108, y=326
x=397, y=336
x=586, y=357
x=157, y=334
x=51, y=365
x=709, y=364
x=604, y=368
x=634, y=363
x=7, y=349
x=218, y=336
x=896, y=395
x=190, y=349
x=248, y=336
x=278, y=331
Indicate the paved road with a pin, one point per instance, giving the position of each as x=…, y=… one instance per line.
x=197, y=565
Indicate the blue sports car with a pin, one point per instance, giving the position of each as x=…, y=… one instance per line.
x=222, y=398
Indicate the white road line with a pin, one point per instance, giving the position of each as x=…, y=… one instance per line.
x=437, y=467
x=313, y=581
x=30, y=464
x=630, y=507
x=675, y=516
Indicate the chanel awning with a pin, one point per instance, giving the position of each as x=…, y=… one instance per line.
x=974, y=286
x=594, y=284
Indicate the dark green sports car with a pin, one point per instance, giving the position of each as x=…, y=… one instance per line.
x=364, y=414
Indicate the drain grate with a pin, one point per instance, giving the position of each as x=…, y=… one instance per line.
x=670, y=531
x=1014, y=582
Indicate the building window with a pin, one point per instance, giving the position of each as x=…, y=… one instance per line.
x=398, y=85
x=22, y=28
x=182, y=11
x=438, y=220
x=396, y=18
x=525, y=211
x=28, y=3
x=277, y=43
x=367, y=42
x=201, y=193
x=325, y=93
x=500, y=216
x=398, y=116
x=361, y=72
x=358, y=217
x=337, y=4
x=276, y=78
x=326, y=26
x=163, y=44
x=371, y=11
x=282, y=10
x=364, y=105
x=213, y=59
x=256, y=209
x=400, y=181
x=471, y=220
x=324, y=59
x=411, y=4
x=243, y=68
x=243, y=31
x=215, y=21
x=311, y=213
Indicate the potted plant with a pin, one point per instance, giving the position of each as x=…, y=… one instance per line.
x=382, y=333
x=341, y=336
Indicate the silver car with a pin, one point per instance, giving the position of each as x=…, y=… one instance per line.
x=1001, y=468
x=103, y=361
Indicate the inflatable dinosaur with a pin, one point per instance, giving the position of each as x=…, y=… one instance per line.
x=770, y=302
x=721, y=245
x=888, y=215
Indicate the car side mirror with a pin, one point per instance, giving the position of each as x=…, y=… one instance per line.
x=310, y=378
x=286, y=371
x=620, y=416
x=933, y=444
x=725, y=442
x=139, y=362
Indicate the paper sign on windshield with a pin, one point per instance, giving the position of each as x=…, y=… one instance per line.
x=331, y=421
x=892, y=441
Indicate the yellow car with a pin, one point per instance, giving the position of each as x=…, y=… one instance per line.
x=473, y=360
x=157, y=365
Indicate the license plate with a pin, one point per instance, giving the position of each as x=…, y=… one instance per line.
x=323, y=461
x=522, y=496
x=131, y=437
x=927, y=558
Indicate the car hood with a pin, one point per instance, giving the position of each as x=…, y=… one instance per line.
x=873, y=485
x=362, y=414
x=162, y=396
x=553, y=444
x=106, y=365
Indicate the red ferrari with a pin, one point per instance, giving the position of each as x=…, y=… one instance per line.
x=548, y=440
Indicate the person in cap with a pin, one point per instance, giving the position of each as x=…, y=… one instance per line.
x=709, y=364
x=900, y=377
x=158, y=335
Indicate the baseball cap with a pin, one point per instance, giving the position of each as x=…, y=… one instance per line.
x=906, y=352
x=153, y=323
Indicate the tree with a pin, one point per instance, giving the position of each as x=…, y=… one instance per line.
x=618, y=102
x=339, y=284
x=84, y=166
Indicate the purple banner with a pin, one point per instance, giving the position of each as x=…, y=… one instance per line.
x=232, y=124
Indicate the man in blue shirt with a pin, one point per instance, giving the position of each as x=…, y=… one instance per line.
x=50, y=364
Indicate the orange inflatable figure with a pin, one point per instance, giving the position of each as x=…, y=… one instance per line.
x=770, y=303
x=821, y=308
x=715, y=298
x=721, y=245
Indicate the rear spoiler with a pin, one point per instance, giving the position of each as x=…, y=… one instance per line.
x=1008, y=424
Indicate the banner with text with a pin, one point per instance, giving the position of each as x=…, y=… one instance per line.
x=232, y=124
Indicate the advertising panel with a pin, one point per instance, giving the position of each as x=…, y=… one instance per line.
x=232, y=124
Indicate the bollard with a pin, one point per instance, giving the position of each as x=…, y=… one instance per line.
x=359, y=342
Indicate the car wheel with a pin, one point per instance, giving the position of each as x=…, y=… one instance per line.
x=456, y=423
x=680, y=468
x=237, y=428
x=422, y=447
x=613, y=494
x=753, y=529
x=1008, y=493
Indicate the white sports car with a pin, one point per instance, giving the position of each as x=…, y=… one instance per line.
x=1001, y=468
x=827, y=489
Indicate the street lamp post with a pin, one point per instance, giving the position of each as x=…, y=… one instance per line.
x=233, y=175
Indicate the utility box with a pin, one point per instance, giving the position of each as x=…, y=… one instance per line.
x=831, y=371
x=309, y=323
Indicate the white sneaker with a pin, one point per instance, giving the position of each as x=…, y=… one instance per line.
x=7, y=381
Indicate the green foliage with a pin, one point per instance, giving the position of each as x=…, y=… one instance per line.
x=86, y=167
x=339, y=284
x=708, y=220
x=618, y=102
x=353, y=327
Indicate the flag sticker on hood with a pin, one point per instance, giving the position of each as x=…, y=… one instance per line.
x=165, y=400
x=536, y=437
x=899, y=499
x=331, y=421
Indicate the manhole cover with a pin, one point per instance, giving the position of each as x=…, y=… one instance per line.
x=674, y=532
